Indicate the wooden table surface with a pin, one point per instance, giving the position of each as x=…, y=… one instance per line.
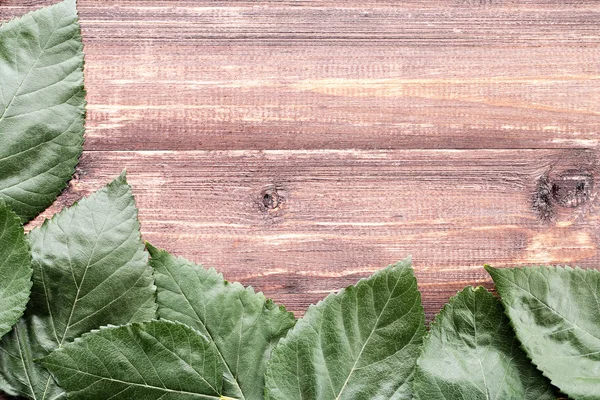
x=297, y=146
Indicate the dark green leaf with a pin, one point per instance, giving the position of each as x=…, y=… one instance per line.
x=42, y=106
x=90, y=270
x=471, y=353
x=361, y=343
x=19, y=374
x=245, y=326
x=144, y=361
x=15, y=269
x=556, y=315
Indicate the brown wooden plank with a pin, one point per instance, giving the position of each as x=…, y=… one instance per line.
x=203, y=75
x=298, y=224
x=212, y=83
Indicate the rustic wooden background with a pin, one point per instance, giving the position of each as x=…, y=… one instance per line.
x=297, y=146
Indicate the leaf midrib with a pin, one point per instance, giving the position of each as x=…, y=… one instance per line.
x=207, y=331
x=158, y=388
x=485, y=385
x=59, y=344
x=2, y=117
x=21, y=356
x=28, y=72
x=77, y=298
x=550, y=308
x=367, y=341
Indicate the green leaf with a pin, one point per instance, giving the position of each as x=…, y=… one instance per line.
x=15, y=269
x=471, y=353
x=556, y=315
x=90, y=270
x=19, y=374
x=42, y=106
x=245, y=326
x=144, y=361
x=361, y=343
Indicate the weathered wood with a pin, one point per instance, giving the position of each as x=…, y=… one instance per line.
x=297, y=146
x=298, y=224
x=204, y=75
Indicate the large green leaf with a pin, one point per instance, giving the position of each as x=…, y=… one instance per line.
x=144, y=361
x=90, y=270
x=361, y=343
x=556, y=315
x=471, y=353
x=15, y=269
x=42, y=106
x=245, y=326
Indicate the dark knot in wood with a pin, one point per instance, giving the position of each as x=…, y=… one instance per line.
x=564, y=185
x=271, y=199
x=542, y=199
x=571, y=188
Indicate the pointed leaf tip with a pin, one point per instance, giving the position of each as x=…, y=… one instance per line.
x=155, y=252
x=244, y=325
x=407, y=262
x=345, y=346
x=122, y=178
x=90, y=270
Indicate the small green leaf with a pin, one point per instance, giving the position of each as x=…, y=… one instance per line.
x=143, y=361
x=556, y=315
x=361, y=343
x=245, y=326
x=471, y=353
x=15, y=269
x=42, y=106
x=90, y=270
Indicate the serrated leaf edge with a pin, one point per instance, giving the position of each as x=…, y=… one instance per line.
x=489, y=268
x=406, y=263
x=436, y=321
x=120, y=180
x=41, y=361
x=114, y=327
x=441, y=313
x=82, y=109
x=268, y=303
x=403, y=264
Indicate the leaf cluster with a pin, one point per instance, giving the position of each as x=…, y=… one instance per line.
x=90, y=311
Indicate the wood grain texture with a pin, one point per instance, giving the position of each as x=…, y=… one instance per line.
x=206, y=75
x=297, y=224
x=300, y=145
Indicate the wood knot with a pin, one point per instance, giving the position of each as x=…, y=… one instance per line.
x=569, y=183
x=271, y=199
x=572, y=188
